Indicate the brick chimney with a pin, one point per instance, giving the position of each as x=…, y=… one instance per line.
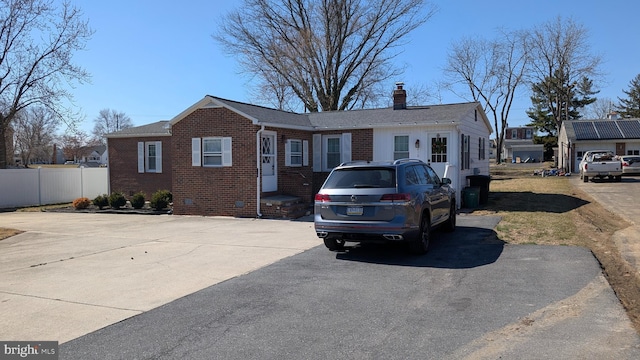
x=399, y=97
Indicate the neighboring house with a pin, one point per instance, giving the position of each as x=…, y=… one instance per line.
x=140, y=159
x=518, y=145
x=95, y=156
x=237, y=159
x=622, y=136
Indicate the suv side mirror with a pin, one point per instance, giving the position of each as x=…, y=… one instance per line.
x=445, y=181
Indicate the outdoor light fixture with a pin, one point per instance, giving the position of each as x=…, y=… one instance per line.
x=417, y=143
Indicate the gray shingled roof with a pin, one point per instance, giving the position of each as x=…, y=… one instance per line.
x=326, y=120
x=160, y=128
x=266, y=115
x=372, y=118
x=367, y=118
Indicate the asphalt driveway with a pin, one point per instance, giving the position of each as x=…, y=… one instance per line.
x=202, y=288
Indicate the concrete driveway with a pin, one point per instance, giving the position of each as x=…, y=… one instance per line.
x=70, y=274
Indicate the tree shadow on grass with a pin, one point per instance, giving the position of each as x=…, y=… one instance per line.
x=533, y=202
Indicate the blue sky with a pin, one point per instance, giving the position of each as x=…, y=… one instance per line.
x=153, y=59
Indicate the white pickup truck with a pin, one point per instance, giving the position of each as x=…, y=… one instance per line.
x=600, y=164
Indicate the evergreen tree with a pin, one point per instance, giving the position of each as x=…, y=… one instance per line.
x=630, y=107
x=555, y=100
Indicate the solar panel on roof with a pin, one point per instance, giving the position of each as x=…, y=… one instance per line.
x=607, y=129
x=630, y=128
x=584, y=130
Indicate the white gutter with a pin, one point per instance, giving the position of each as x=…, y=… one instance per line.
x=258, y=168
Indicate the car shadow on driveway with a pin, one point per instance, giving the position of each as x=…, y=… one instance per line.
x=467, y=247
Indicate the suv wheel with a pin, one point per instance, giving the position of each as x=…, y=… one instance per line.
x=420, y=245
x=450, y=225
x=334, y=244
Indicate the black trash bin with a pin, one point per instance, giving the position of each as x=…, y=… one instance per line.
x=481, y=181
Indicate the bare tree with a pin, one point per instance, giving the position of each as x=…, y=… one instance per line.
x=34, y=129
x=74, y=144
x=561, y=60
x=599, y=109
x=491, y=71
x=109, y=121
x=37, y=40
x=331, y=54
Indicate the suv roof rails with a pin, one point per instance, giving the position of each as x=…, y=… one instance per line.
x=407, y=160
x=354, y=162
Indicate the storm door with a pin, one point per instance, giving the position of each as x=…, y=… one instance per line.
x=269, y=163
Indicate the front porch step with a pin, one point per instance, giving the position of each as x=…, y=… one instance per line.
x=283, y=207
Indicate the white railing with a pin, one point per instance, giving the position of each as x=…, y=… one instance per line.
x=42, y=186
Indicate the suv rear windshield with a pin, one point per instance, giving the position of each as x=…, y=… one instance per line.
x=361, y=178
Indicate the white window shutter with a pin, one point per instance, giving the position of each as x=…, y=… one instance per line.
x=346, y=147
x=317, y=153
x=287, y=153
x=305, y=152
x=226, y=151
x=158, y=156
x=140, y=157
x=196, y=157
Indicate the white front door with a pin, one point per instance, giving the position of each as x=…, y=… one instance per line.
x=269, y=163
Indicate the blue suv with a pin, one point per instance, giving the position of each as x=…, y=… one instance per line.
x=401, y=200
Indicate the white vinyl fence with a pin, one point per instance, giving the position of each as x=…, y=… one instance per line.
x=42, y=186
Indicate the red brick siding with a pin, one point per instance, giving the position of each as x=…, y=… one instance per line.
x=220, y=191
x=123, y=167
x=294, y=180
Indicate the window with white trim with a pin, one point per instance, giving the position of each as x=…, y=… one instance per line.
x=329, y=151
x=333, y=151
x=293, y=150
x=439, y=149
x=150, y=157
x=400, y=147
x=211, y=151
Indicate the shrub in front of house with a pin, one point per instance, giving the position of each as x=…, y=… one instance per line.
x=137, y=201
x=117, y=200
x=161, y=199
x=81, y=203
x=101, y=201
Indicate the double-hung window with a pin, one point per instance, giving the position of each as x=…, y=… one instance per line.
x=333, y=152
x=211, y=151
x=150, y=157
x=296, y=153
x=400, y=147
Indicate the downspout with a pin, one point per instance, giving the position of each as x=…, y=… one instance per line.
x=258, y=168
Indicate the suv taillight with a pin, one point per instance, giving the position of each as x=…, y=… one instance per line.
x=396, y=197
x=322, y=197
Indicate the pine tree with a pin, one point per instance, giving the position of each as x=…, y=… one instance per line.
x=630, y=107
x=555, y=100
